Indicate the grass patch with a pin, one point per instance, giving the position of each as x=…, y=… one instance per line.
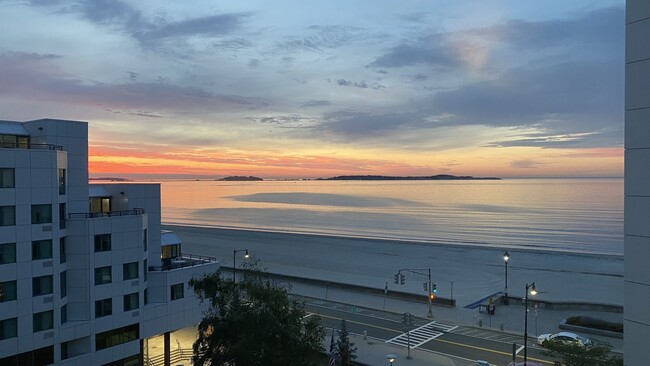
x=587, y=322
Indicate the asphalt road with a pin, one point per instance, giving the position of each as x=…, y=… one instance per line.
x=442, y=337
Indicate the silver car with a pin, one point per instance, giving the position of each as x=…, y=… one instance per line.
x=565, y=337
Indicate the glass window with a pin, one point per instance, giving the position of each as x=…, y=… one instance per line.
x=131, y=301
x=145, y=296
x=7, y=179
x=7, y=215
x=42, y=214
x=62, y=215
x=8, y=328
x=64, y=314
x=103, y=307
x=145, y=269
x=130, y=271
x=42, y=249
x=117, y=336
x=170, y=251
x=7, y=253
x=100, y=205
x=7, y=291
x=61, y=181
x=144, y=240
x=102, y=242
x=177, y=291
x=42, y=285
x=43, y=321
x=62, y=257
x=103, y=275
x=64, y=350
x=64, y=284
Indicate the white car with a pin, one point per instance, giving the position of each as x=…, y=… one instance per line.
x=565, y=337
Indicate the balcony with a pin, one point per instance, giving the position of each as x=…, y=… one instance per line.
x=26, y=145
x=183, y=261
x=92, y=215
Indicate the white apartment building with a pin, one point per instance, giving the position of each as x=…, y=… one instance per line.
x=86, y=276
x=637, y=182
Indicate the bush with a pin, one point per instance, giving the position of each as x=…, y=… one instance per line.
x=585, y=321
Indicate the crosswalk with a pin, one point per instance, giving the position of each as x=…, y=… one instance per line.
x=423, y=334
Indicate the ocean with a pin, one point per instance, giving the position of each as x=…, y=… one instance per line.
x=567, y=215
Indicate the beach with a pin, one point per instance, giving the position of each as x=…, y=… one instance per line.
x=466, y=273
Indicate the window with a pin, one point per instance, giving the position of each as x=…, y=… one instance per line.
x=64, y=284
x=7, y=291
x=100, y=205
x=43, y=321
x=64, y=350
x=7, y=178
x=7, y=253
x=130, y=271
x=102, y=242
x=61, y=181
x=42, y=249
x=131, y=301
x=64, y=314
x=103, y=307
x=177, y=291
x=117, y=336
x=62, y=257
x=7, y=215
x=144, y=240
x=42, y=214
x=103, y=275
x=145, y=269
x=8, y=328
x=145, y=296
x=62, y=215
x=42, y=285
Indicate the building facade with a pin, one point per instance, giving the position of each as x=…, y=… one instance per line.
x=85, y=275
x=637, y=182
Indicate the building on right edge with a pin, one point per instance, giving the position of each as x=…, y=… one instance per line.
x=637, y=182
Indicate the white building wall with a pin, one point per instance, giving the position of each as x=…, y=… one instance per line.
x=637, y=182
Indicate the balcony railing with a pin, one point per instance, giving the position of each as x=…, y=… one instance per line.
x=185, y=260
x=92, y=215
x=22, y=145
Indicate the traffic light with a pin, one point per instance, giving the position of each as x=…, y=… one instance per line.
x=425, y=286
x=434, y=289
x=432, y=296
x=401, y=279
x=397, y=278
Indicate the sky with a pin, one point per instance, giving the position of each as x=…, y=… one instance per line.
x=307, y=89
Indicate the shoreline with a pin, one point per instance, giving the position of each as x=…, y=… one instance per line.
x=404, y=241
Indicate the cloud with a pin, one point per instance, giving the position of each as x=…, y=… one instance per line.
x=316, y=103
x=318, y=38
x=285, y=121
x=233, y=44
x=34, y=77
x=526, y=164
x=417, y=54
x=359, y=84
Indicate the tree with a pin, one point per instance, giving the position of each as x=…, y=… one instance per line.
x=253, y=322
x=576, y=354
x=345, y=350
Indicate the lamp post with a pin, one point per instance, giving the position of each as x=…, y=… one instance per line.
x=533, y=291
x=234, y=266
x=506, y=256
x=391, y=358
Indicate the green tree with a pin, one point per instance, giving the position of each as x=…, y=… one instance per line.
x=344, y=350
x=253, y=322
x=575, y=354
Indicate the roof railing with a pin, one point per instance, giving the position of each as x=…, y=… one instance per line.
x=92, y=215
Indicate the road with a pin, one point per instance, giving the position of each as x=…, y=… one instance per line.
x=458, y=342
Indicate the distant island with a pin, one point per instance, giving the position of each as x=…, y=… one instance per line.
x=431, y=177
x=110, y=179
x=239, y=178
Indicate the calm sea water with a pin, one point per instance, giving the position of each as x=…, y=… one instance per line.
x=576, y=215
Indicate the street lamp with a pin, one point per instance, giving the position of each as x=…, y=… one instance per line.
x=506, y=256
x=391, y=358
x=533, y=291
x=234, y=266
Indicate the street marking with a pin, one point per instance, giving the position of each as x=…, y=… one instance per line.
x=422, y=335
x=307, y=316
x=487, y=349
x=360, y=323
x=519, y=350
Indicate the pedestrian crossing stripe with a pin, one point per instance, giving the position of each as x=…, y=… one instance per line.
x=423, y=334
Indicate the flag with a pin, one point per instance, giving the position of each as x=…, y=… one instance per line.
x=332, y=361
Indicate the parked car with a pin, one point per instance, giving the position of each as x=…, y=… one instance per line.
x=566, y=337
x=528, y=363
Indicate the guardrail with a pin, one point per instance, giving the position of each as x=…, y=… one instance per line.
x=18, y=145
x=92, y=215
x=185, y=260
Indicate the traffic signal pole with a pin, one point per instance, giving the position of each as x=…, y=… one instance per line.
x=430, y=314
x=430, y=286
